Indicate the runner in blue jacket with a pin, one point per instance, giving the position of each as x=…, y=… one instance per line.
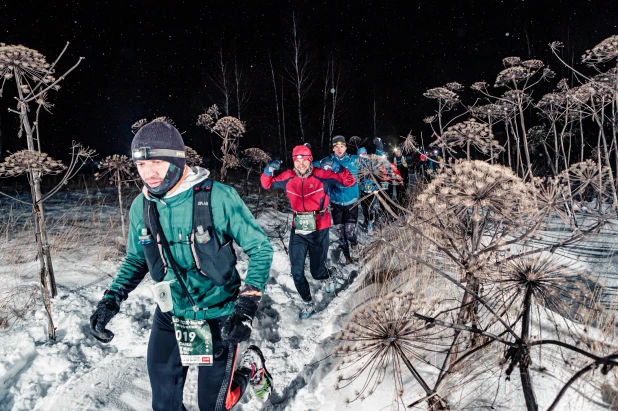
x=343, y=200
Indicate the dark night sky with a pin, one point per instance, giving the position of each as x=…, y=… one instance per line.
x=146, y=59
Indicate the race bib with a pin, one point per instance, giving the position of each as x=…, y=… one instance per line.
x=304, y=222
x=194, y=341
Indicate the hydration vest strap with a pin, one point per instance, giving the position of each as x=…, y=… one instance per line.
x=179, y=272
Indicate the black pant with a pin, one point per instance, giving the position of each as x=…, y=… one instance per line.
x=167, y=375
x=345, y=218
x=316, y=243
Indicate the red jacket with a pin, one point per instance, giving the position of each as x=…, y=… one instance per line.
x=310, y=193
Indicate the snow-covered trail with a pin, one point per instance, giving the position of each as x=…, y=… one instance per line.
x=77, y=372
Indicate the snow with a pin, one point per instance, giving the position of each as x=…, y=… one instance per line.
x=77, y=372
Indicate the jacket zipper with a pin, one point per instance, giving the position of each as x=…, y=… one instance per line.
x=302, y=192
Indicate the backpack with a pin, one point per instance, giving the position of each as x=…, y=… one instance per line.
x=213, y=260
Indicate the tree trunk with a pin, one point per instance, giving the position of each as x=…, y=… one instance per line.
x=272, y=72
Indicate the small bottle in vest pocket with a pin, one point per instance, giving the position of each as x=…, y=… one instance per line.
x=202, y=236
x=145, y=238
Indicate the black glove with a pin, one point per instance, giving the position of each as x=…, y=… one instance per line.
x=238, y=326
x=107, y=308
x=379, y=145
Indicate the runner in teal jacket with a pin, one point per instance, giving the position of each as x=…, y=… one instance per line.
x=223, y=314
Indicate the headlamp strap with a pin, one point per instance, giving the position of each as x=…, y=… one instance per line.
x=146, y=153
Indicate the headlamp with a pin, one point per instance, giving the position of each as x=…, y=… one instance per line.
x=146, y=153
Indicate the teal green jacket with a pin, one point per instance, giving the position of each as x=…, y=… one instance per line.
x=230, y=216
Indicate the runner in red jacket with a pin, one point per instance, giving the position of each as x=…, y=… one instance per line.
x=308, y=189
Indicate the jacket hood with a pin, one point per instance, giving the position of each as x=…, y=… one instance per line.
x=194, y=176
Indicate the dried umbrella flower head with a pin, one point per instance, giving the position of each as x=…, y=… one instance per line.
x=455, y=86
x=490, y=112
x=443, y=95
x=229, y=126
x=257, y=156
x=563, y=85
x=537, y=134
x=475, y=189
x=515, y=97
x=479, y=86
x=533, y=64
x=603, y=52
x=164, y=119
x=587, y=178
x=192, y=157
x=471, y=132
x=378, y=336
x=512, y=75
x=26, y=63
x=24, y=161
x=230, y=161
x=138, y=124
x=430, y=119
x=118, y=167
x=545, y=276
x=511, y=61
x=209, y=118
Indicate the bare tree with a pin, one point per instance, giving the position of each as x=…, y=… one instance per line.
x=298, y=72
x=221, y=79
x=272, y=72
x=241, y=90
x=337, y=92
x=325, y=92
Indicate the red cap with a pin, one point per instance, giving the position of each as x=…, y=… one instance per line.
x=302, y=151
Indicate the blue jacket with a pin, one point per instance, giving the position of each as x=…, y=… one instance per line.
x=345, y=195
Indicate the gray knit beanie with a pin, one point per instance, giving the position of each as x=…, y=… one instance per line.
x=159, y=140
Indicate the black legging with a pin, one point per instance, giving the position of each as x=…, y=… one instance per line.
x=316, y=244
x=167, y=375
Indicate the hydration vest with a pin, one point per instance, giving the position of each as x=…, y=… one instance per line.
x=213, y=260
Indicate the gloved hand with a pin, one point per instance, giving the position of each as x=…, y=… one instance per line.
x=107, y=308
x=330, y=163
x=271, y=167
x=379, y=145
x=239, y=325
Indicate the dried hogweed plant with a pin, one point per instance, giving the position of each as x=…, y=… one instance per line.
x=487, y=222
x=230, y=130
x=447, y=100
x=192, y=157
x=34, y=77
x=383, y=337
x=118, y=169
x=471, y=133
x=28, y=162
x=255, y=159
x=519, y=77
